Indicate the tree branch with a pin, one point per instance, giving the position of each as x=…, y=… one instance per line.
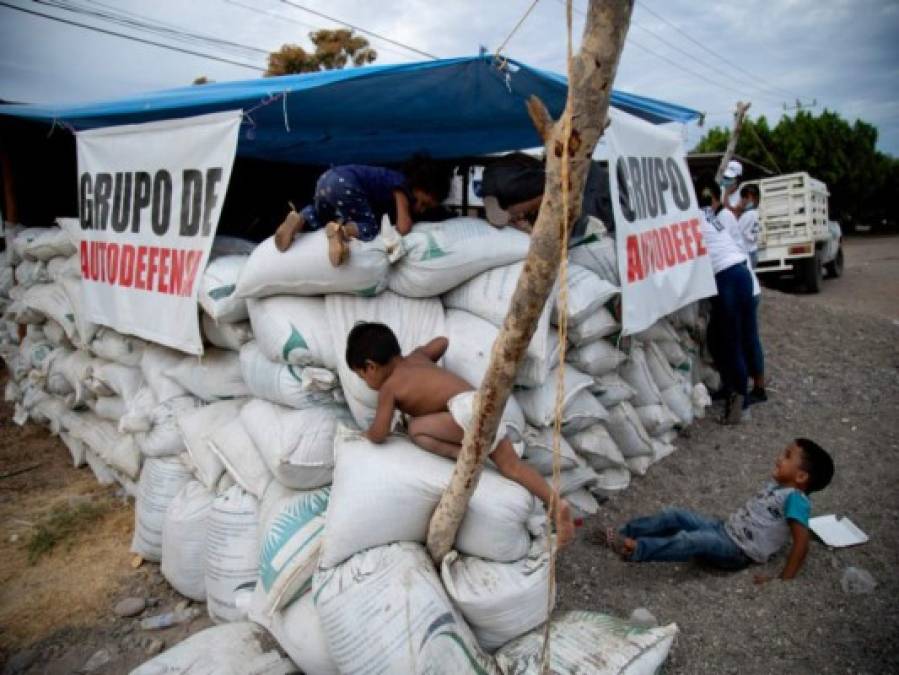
x=589, y=89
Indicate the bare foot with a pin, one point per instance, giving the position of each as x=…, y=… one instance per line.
x=628, y=546
x=287, y=230
x=564, y=524
x=338, y=244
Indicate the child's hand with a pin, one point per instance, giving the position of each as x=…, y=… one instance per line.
x=760, y=579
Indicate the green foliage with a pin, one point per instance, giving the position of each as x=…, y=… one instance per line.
x=862, y=181
x=333, y=50
x=62, y=523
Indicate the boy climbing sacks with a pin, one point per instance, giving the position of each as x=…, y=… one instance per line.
x=777, y=515
x=438, y=404
x=350, y=201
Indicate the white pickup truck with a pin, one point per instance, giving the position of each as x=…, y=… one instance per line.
x=796, y=235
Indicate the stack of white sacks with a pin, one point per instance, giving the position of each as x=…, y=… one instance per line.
x=258, y=494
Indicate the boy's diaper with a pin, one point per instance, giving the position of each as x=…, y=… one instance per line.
x=461, y=407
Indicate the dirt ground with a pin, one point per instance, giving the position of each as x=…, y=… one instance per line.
x=833, y=368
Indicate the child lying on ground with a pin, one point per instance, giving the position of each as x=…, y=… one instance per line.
x=754, y=533
x=435, y=399
x=350, y=201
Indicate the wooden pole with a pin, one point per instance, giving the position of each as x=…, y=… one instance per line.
x=739, y=114
x=592, y=72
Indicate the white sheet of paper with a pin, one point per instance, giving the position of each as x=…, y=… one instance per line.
x=837, y=532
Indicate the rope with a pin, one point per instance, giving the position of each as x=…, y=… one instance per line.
x=562, y=307
x=517, y=26
x=763, y=147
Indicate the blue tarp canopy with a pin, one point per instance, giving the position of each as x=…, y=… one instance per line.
x=376, y=114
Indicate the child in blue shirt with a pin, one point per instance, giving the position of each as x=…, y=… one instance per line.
x=350, y=201
x=775, y=516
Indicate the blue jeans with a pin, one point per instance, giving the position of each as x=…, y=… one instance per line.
x=678, y=535
x=733, y=326
x=755, y=355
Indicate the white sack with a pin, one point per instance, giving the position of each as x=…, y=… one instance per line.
x=598, y=324
x=597, y=358
x=471, y=340
x=291, y=530
x=115, y=449
x=60, y=268
x=625, y=427
x=56, y=334
x=582, y=411
x=52, y=301
x=30, y=272
x=76, y=447
x=160, y=480
x=293, y=329
x=539, y=404
x=164, y=436
x=441, y=256
x=679, y=403
x=304, y=268
x=659, y=368
x=597, y=447
x=387, y=493
x=599, y=256
x=43, y=243
x=656, y=419
x=538, y=451
x=587, y=293
x=611, y=389
x=154, y=363
x=197, y=425
x=299, y=632
x=489, y=296
x=226, y=335
x=385, y=611
x=138, y=413
x=113, y=346
x=582, y=501
x=230, y=649
x=500, y=601
x=296, y=445
x=232, y=563
x=235, y=449
x=108, y=407
x=184, y=540
x=108, y=378
x=214, y=376
x=612, y=480
x=636, y=373
x=284, y=383
x=218, y=289
x=86, y=329
x=415, y=323
x=589, y=642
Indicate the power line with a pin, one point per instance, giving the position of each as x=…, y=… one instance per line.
x=143, y=23
x=290, y=19
x=517, y=26
x=705, y=48
x=360, y=29
x=134, y=38
x=679, y=66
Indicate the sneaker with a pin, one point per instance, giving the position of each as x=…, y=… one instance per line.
x=338, y=245
x=758, y=395
x=733, y=410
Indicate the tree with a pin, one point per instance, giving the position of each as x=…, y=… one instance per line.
x=333, y=50
x=861, y=180
x=591, y=74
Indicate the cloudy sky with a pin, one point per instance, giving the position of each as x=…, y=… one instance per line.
x=839, y=54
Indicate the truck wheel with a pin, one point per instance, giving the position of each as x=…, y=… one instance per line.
x=811, y=273
x=835, y=266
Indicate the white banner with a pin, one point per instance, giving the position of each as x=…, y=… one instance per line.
x=662, y=261
x=150, y=196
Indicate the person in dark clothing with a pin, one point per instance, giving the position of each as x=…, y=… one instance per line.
x=351, y=200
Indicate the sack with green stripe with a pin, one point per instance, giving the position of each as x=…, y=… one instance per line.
x=292, y=527
x=293, y=329
x=218, y=289
x=385, y=611
x=441, y=256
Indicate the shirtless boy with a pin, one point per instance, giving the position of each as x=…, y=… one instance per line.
x=415, y=385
